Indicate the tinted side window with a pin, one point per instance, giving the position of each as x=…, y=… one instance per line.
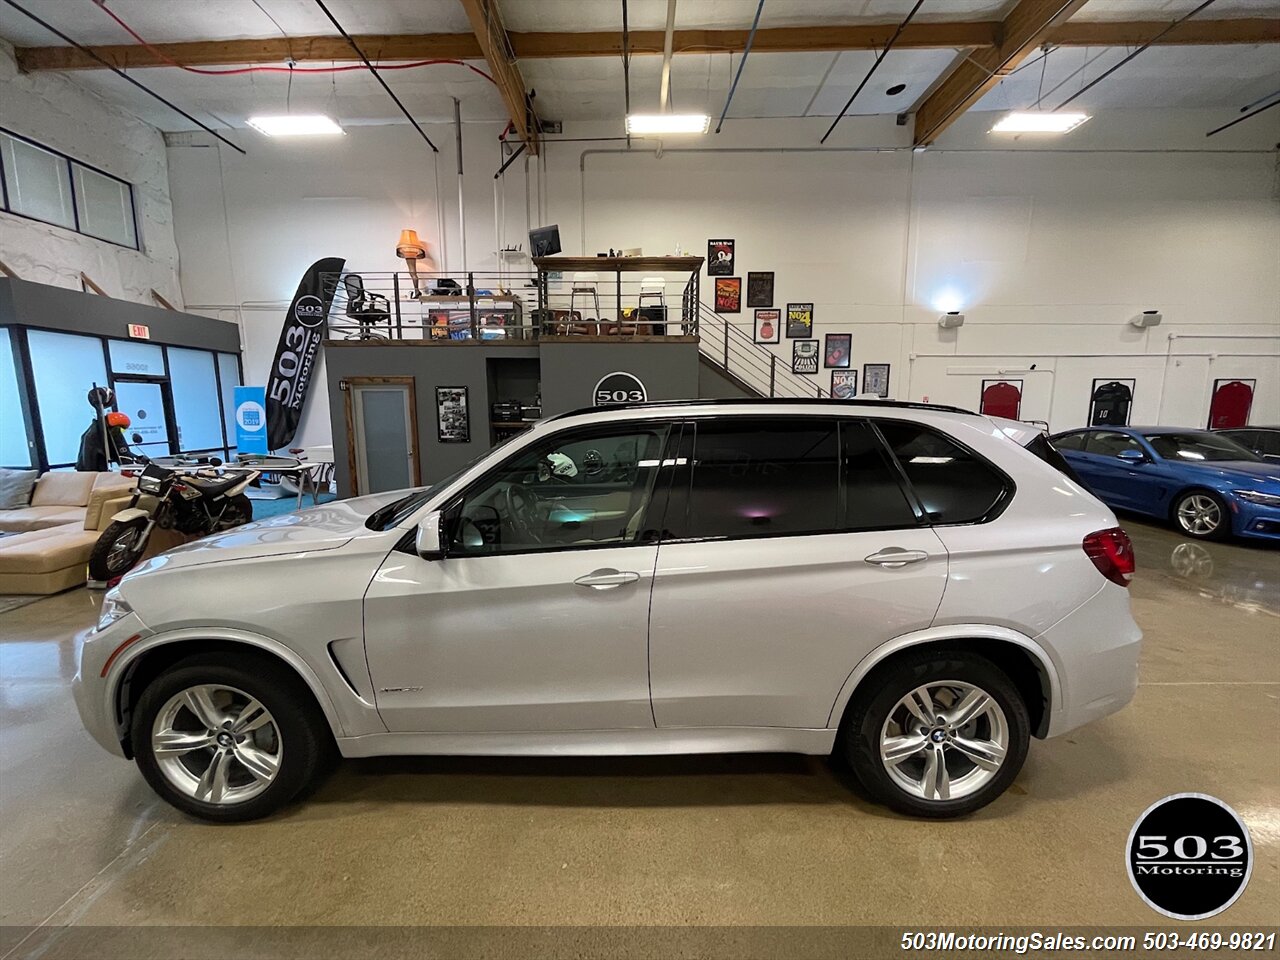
x=1107, y=443
x=1069, y=441
x=953, y=485
x=765, y=477
x=874, y=498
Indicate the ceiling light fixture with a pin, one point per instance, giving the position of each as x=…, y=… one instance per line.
x=642, y=123
x=1035, y=122
x=296, y=125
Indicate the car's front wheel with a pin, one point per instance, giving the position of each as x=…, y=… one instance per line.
x=229, y=738
x=937, y=734
x=1201, y=514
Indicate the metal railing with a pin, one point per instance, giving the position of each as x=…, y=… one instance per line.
x=752, y=365
x=491, y=306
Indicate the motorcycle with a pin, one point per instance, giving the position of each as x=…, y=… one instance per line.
x=190, y=497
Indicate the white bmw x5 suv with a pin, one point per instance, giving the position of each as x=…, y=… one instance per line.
x=901, y=584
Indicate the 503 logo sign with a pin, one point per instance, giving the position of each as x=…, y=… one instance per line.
x=1189, y=856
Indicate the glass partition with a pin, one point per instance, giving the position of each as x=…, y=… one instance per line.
x=195, y=399
x=65, y=367
x=15, y=439
x=136, y=358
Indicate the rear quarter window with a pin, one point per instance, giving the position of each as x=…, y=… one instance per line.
x=953, y=484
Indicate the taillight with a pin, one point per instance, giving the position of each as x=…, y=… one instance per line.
x=1112, y=553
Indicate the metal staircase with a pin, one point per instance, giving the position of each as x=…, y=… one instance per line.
x=745, y=363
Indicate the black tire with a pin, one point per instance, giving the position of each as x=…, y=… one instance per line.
x=879, y=694
x=118, y=549
x=306, y=744
x=239, y=510
x=1185, y=500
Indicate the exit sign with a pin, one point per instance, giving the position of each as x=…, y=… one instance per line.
x=139, y=331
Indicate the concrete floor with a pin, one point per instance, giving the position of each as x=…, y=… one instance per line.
x=709, y=841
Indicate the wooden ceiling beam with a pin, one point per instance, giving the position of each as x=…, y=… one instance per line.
x=465, y=46
x=495, y=44
x=1022, y=31
x=1130, y=33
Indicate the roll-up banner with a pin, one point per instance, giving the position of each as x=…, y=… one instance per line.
x=304, y=327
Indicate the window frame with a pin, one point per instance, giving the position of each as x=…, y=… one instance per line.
x=69, y=164
x=661, y=487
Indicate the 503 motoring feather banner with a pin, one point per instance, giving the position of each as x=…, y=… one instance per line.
x=304, y=328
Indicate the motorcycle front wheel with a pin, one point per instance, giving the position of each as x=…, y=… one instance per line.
x=118, y=549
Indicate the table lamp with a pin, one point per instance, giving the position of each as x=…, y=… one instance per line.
x=410, y=249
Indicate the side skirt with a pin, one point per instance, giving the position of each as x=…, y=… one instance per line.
x=589, y=743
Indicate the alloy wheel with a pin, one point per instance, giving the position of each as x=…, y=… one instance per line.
x=1199, y=514
x=944, y=740
x=217, y=744
x=122, y=550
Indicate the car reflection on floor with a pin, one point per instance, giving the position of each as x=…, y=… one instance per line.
x=1242, y=573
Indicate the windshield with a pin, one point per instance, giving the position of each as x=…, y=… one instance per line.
x=396, y=511
x=1199, y=447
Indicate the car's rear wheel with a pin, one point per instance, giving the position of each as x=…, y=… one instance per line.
x=229, y=739
x=1201, y=514
x=937, y=734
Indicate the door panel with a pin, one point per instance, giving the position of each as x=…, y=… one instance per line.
x=764, y=632
x=383, y=437
x=511, y=642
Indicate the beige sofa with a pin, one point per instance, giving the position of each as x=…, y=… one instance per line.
x=46, y=545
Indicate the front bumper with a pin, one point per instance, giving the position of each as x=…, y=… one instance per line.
x=1254, y=520
x=95, y=694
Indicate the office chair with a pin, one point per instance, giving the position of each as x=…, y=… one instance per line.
x=366, y=308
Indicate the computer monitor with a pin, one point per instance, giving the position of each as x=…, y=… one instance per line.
x=544, y=241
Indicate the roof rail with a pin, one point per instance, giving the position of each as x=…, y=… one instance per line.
x=768, y=401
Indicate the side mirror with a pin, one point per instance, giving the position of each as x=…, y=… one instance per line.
x=428, y=541
x=1132, y=456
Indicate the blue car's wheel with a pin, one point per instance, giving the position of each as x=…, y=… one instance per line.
x=1201, y=514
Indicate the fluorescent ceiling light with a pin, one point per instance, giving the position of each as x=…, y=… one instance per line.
x=1039, y=122
x=667, y=123
x=296, y=125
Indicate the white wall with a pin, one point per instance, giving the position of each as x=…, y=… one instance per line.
x=1048, y=254
x=58, y=113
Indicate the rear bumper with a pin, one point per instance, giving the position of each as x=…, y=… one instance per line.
x=1096, y=649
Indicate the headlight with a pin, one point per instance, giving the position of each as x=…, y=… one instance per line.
x=149, y=484
x=114, y=607
x=1258, y=497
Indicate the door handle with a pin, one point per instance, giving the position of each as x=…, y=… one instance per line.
x=607, y=578
x=896, y=557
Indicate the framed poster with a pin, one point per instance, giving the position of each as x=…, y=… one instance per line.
x=1110, y=402
x=453, y=419
x=768, y=326
x=720, y=258
x=804, y=356
x=760, y=289
x=836, y=350
x=1001, y=398
x=728, y=295
x=875, y=379
x=799, y=320
x=844, y=384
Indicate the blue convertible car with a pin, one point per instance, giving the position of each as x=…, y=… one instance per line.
x=1208, y=485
